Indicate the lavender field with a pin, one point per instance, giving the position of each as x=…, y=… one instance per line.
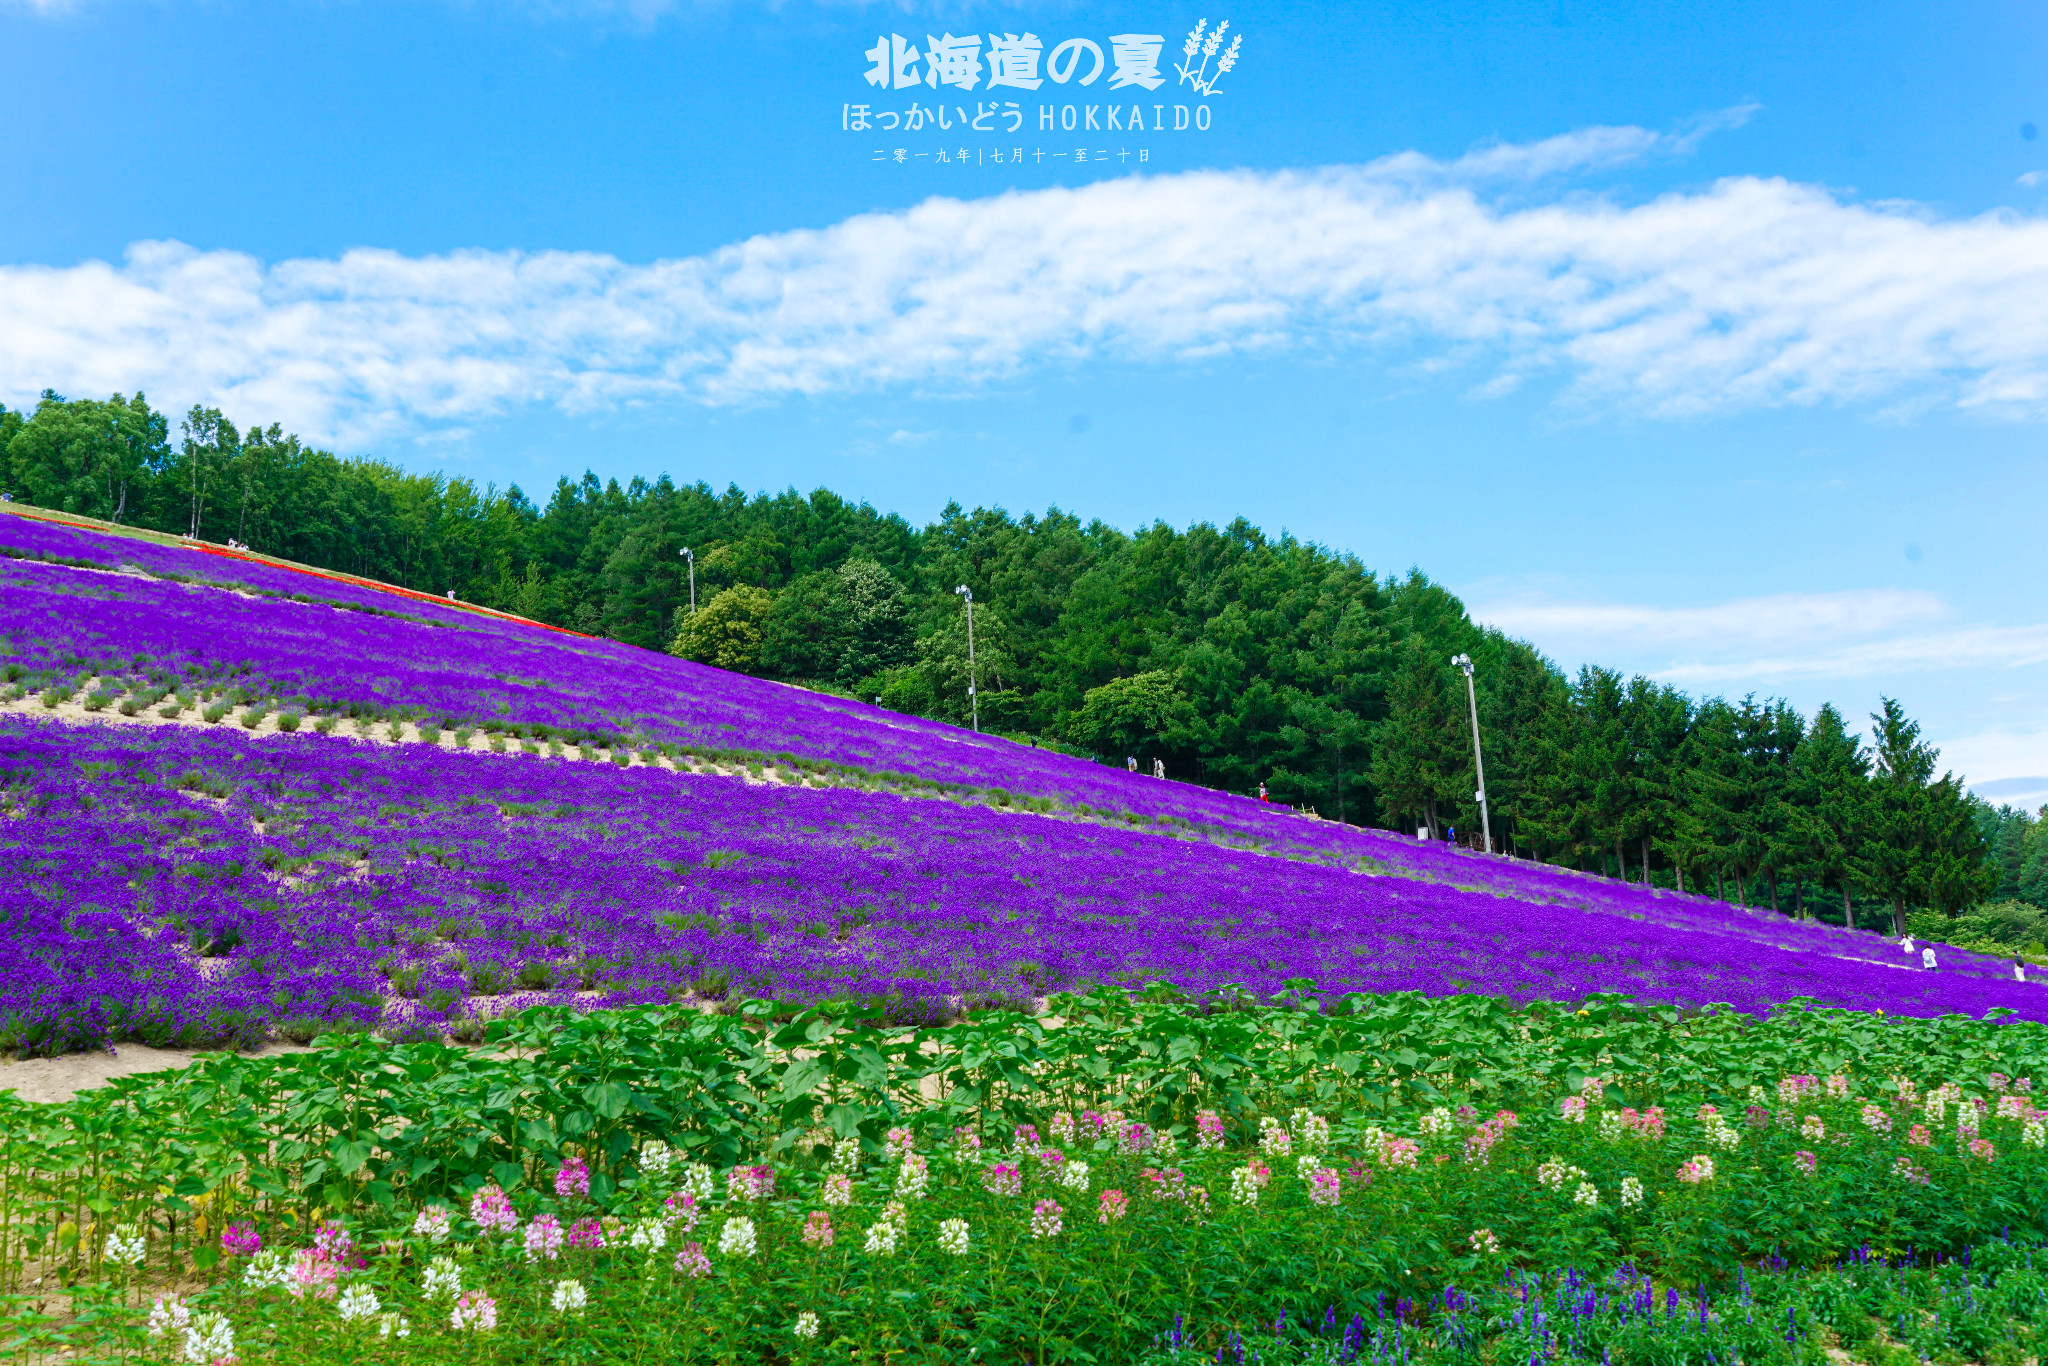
x=176, y=884
x=462, y=667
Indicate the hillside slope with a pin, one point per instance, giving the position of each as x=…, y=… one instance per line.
x=1018, y=904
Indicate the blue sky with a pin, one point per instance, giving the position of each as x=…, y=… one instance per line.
x=1702, y=341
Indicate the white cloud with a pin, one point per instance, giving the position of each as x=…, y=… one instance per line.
x=1970, y=647
x=2008, y=765
x=1751, y=292
x=1748, y=621
x=2032, y=178
x=1767, y=642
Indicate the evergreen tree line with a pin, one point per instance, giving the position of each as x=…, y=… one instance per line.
x=1234, y=657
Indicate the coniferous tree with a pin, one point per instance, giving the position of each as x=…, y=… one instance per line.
x=1830, y=776
x=1708, y=829
x=1418, y=765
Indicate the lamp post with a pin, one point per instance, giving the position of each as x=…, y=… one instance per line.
x=1464, y=666
x=692, y=560
x=973, y=703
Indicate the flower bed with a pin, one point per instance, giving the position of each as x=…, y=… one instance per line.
x=1156, y=1209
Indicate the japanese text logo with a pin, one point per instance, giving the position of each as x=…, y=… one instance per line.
x=1021, y=61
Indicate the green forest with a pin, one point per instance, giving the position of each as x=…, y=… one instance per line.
x=1234, y=657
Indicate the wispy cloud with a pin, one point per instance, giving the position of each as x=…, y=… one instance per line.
x=1745, y=622
x=1768, y=642
x=1970, y=647
x=1748, y=293
x=2011, y=765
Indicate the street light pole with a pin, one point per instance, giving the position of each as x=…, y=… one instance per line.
x=685, y=553
x=1464, y=665
x=973, y=702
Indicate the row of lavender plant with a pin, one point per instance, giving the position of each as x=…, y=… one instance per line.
x=180, y=885
x=469, y=669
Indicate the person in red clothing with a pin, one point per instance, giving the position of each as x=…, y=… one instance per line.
x=1262, y=793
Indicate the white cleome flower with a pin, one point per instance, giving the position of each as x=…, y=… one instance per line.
x=209, y=1339
x=126, y=1245
x=265, y=1270
x=953, y=1236
x=358, y=1302
x=737, y=1238
x=1074, y=1176
x=569, y=1298
x=443, y=1280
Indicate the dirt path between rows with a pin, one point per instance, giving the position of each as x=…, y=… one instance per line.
x=55, y=1080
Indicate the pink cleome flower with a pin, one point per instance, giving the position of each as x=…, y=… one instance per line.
x=312, y=1273
x=1482, y=1139
x=1791, y=1088
x=691, y=1261
x=1112, y=1205
x=240, y=1240
x=1324, y=1186
x=573, y=1178
x=475, y=1312
x=681, y=1208
x=543, y=1238
x=492, y=1210
x=1209, y=1134
x=818, y=1230
x=1648, y=1123
x=1807, y=1162
x=586, y=1233
x=1982, y=1148
x=1003, y=1178
x=1918, y=1136
x=333, y=1242
x=751, y=1183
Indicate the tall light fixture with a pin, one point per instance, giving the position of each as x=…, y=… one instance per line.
x=692, y=559
x=973, y=703
x=1464, y=666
